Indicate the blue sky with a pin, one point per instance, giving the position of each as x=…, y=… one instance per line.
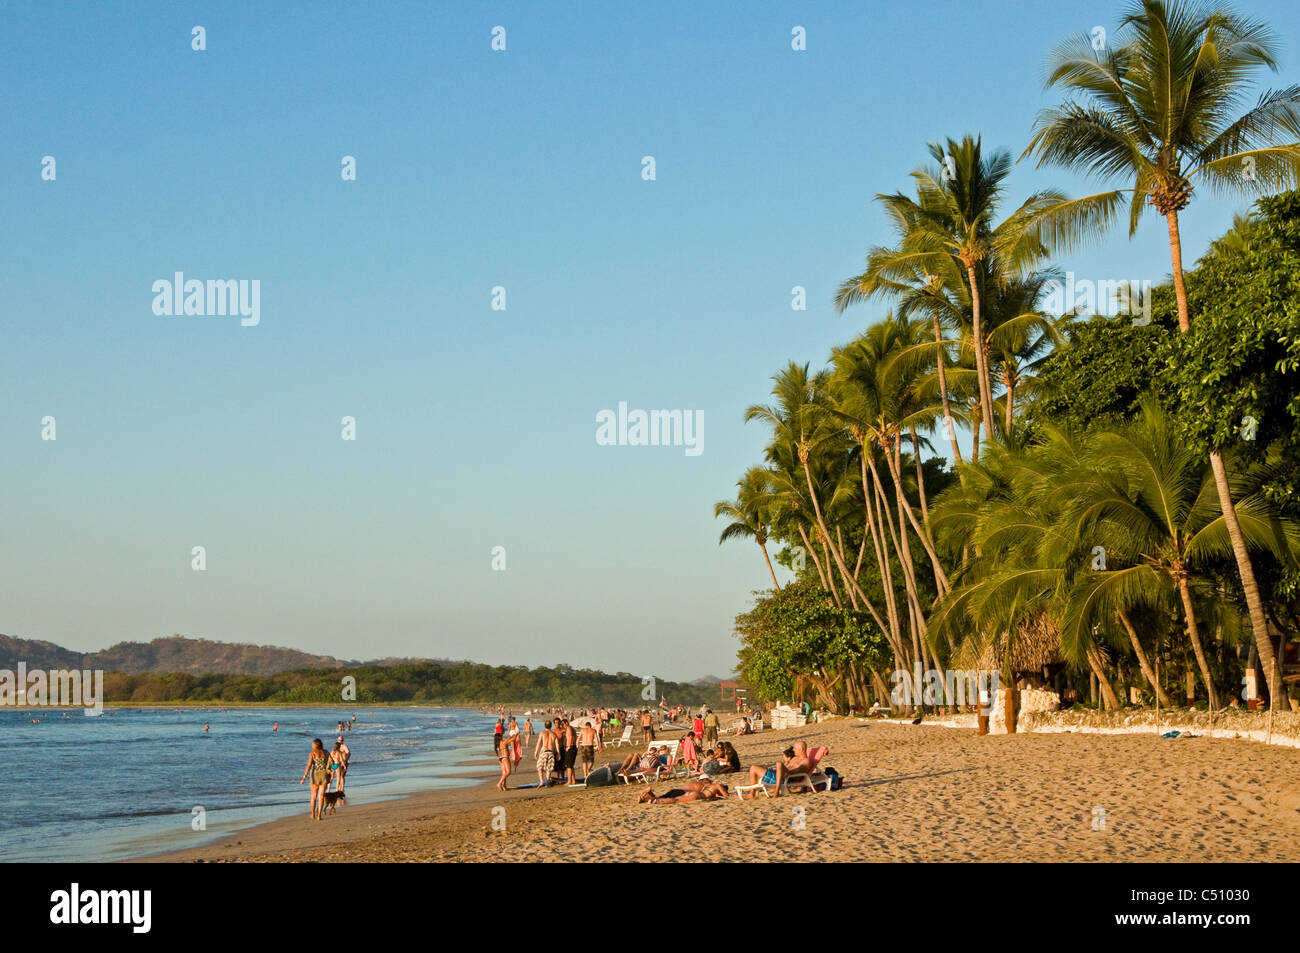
x=475, y=428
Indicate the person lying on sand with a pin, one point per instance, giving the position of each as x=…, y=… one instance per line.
x=796, y=761
x=693, y=791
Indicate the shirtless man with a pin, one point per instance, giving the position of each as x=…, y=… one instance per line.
x=795, y=761
x=588, y=745
x=691, y=791
x=570, y=747
x=647, y=733
x=545, y=755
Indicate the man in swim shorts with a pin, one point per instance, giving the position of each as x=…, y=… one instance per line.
x=588, y=744
x=545, y=755
x=795, y=761
x=570, y=753
x=691, y=791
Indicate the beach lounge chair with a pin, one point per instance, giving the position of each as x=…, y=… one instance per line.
x=803, y=780
x=669, y=748
x=624, y=739
x=809, y=779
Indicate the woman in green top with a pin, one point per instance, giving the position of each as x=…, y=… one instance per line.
x=318, y=768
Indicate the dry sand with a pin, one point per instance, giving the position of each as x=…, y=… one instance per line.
x=913, y=793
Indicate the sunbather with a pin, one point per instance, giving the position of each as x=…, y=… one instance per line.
x=642, y=763
x=795, y=761
x=692, y=791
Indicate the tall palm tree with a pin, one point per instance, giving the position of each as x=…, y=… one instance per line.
x=749, y=514
x=1161, y=109
x=953, y=218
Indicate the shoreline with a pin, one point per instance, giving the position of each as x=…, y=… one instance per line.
x=909, y=795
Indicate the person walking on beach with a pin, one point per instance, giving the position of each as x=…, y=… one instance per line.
x=512, y=741
x=503, y=758
x=545, y=756
x=345, y=756
x=699, y=728
x=528, y=732
x=588, y=744
x=647, y=733
x=318, y=769
x=497, y=732
x=710, y=727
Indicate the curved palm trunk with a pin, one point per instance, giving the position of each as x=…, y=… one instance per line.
x=808, y=547
x=920, y=480
x=981, y=358
x=882, y=557
x=767, y=559
x=1108, y=699
x=948, y=423
x=895, y=471
x=849, y=582
x=882, y=513
x=1189, y=616
x=1142, y=661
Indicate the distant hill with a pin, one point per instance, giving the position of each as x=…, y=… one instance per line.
x=179, y=654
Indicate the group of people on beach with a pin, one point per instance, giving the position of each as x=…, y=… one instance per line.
x=326, y=770
x=569, y=738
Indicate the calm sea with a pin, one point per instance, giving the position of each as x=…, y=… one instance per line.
x=125, y=783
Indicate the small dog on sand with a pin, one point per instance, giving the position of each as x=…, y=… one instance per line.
x=332, y=799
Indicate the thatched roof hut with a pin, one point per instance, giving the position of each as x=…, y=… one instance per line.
x=1036, y=648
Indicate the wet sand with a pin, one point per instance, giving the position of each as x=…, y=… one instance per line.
x=912, y=793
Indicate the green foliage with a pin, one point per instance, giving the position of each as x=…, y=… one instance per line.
x=798, y=631
x=1099, y=378
x=424, y=682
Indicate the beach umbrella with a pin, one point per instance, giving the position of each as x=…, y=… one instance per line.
x=584, y=720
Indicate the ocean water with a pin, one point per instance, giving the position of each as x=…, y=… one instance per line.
x=125, y=784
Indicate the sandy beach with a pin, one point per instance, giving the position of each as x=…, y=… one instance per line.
x=911, y=793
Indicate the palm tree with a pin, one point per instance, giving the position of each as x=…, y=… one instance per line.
x=749, y=514
x=1160, y=109
x=952, y=219
x=1150, y=503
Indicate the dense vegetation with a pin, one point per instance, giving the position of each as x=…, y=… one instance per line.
x=1128, y=501
x=426, y=682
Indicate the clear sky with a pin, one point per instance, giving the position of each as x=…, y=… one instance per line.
x=475, y=428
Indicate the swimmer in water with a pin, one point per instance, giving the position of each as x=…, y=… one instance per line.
x=276, y=726
x=205, y=729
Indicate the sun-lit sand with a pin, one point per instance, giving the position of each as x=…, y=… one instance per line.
x=912, y=793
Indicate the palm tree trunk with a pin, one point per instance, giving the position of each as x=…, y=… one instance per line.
x=808, y=547
x=882, y=557
x=920, y=480
x=830, y=574
x=1108, y=699
x=948, y=423
x=1176, y=257
x=1142, y=661
x=977, y=333
x=1011, y=393
x=975, y=437
x=1189, y=616
x=768, y=559
x=1258, y=621
x=895, y=470
x=849, y=582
